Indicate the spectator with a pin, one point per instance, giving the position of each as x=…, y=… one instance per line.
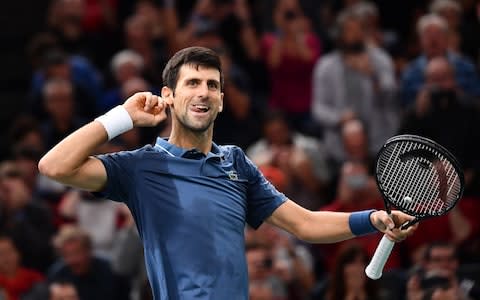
x=127, y=255
x=451, y=12
x=356, y=81
x=87, y=86
x=374, y=33
x=442, y=113
x=96, y=216
x=439, y=278
x=59, y=103
x=238, y=122
x=292, y=261
x=260, y=271
x=139, y=37
x=125, y=65
x=301, y=158
x=355, y=143
x=85, y=28
x=433, y=34
x=27, y=145
x=92, y=276
x=25, y=219
x=15, y=279
x=348, y=280
x=290, y=53
x=25, y=133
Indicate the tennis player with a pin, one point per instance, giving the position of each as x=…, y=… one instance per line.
x=190, y=197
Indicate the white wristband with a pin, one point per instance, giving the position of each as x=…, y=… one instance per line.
x=116, y=121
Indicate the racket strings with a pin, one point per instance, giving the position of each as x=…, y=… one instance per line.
x=418, y=184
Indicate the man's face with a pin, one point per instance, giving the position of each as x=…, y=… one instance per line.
x=440, y=74
x=443, y=258
x=434, y=41
x=76, y=256
x=197, y=99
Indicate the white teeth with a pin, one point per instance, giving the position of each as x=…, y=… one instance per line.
x=201, y=106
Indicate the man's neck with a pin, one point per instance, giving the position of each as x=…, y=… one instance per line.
x=187, y=139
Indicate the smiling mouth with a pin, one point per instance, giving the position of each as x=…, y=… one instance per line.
x=200, y=108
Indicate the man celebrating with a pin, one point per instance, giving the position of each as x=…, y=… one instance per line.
x=190, y=197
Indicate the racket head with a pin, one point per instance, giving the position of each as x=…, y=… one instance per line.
x=418, y=176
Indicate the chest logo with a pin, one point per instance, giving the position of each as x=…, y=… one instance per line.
x=232, y=175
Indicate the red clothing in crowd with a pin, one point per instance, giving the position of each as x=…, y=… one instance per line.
x=291, y=81
x=439, y=229
x=23, y=281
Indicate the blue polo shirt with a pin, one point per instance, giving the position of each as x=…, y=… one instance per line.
x=191, y=210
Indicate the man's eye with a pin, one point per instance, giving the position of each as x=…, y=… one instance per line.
x=213, y=85
x=192, y=83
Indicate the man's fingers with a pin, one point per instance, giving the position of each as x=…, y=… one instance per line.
x=149, y=101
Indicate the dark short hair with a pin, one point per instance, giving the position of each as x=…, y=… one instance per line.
x=194, y=56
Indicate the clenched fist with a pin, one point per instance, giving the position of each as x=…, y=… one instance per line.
x=146, y=109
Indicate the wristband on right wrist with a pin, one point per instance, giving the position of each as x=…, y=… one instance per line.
x=360, y=223
x=116, y=121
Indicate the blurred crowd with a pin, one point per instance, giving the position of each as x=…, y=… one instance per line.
x=312, y=91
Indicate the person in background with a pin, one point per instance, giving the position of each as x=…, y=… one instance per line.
x=59, y=103
x=433, y=33
x=361, y=85
x=438, y=276
x=348, y=280
x=14, y=278
x=451, y=12
x=238, y=123
x=92, y=276
x=301, y=158
x=261, y=272
x=290, y=52
x=124, y=65
x=445, y=114
x=25, y=219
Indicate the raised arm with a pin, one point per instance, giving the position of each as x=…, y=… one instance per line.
x=70, y=161
x=331, y=227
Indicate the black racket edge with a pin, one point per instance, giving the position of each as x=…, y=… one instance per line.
x=428, y=142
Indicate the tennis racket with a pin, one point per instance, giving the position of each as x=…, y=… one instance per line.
x=418, y=177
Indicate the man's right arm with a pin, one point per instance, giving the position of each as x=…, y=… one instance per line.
x=70, y=161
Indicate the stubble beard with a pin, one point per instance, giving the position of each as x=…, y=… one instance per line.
x=189, y=125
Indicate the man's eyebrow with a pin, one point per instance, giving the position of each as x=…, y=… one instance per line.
x=213, y=81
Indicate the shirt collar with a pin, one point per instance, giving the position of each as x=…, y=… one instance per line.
x=174, y=151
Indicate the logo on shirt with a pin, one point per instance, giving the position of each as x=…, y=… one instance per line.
x=232, y=175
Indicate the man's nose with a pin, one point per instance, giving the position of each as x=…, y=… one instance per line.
x=203, y=90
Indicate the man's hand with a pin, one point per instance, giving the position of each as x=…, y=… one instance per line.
x=390, y=225
x=146, y=109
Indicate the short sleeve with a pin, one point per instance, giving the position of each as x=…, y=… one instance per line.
x=120, y=167
x=262, y=197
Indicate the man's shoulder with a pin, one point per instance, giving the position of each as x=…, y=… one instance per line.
x=231, y=150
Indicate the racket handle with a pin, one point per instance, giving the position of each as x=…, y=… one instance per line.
x=375, y=267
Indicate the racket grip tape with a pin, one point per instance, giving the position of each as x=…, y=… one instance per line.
x=374, y=269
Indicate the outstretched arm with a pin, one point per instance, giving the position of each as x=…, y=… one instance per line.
x=70, y=161
x=331, y=227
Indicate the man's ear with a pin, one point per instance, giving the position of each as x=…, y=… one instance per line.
x=167, y=95
x=220, y=108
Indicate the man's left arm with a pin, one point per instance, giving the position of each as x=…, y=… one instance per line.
x=331, y=227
